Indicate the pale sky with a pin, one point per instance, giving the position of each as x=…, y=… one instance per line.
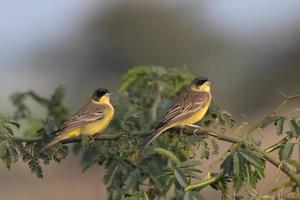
x=257, y=25
x=27, y=24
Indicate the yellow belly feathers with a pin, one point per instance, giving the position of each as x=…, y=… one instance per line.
x=195, y=117
x=98, y=126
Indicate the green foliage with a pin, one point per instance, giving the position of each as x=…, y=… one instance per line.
x=295, y=128
x=13, y=147
x=244, y=165
x=286, y=150
x=268, y=120
x=54, y=105
x=279, y=123
x=170, y=168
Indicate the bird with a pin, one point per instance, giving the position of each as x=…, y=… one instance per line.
x=189, y=108
x=93, y=118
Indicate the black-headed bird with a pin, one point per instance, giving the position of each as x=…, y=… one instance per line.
x=189, y=108
x=91, y=119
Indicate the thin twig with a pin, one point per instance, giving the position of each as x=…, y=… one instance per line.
x=286, y=100
x=27, y=139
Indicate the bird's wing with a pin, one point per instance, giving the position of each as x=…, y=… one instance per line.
x=90, y=112
x=187, y=104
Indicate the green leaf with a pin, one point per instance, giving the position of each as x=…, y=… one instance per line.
x=132, y=179
x=61, y=153
x=133, y=75
x=227, y=165
x=35, y=167
x=296, y=127
x=253, y=158
x=215, y=147
x=225, y=119
x=193, y=196
x=180, y=177
x=267, y=121
x=279, y=125
x=188, y=196
x=236, y=164
x=204, y=150
x=8, y=159
x=285, y=152
x=110, y=168
x=190, y=163
x=248, y=174
x=237, y=183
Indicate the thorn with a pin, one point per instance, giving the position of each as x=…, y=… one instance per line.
x=282, y=94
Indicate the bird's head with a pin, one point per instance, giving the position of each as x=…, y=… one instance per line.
x=201, y=84
x=101, y=95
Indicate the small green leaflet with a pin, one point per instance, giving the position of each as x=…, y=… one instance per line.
x=285, y=152
x=181, y=178
x=295, y=127
x=267, y=121
x=279, y=125
x=193, y=196
x=236, y=164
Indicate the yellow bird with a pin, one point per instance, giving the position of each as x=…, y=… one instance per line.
x=91, y=119
x=189, y=108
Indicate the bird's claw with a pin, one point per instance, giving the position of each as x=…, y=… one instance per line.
x=195, y=132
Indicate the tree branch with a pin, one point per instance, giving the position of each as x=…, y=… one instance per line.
x=199, y=130
x=78, y=139
x=27, y=139
x=283, y=167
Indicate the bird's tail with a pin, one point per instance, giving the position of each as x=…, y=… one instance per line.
x=54, y=141
x=157, y=132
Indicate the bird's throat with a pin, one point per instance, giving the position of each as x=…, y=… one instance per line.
x=104, y=100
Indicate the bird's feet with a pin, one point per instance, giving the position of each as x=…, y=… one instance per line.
x=195, y=127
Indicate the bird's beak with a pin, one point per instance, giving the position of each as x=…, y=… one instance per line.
x=210, y=82
x=108, y=94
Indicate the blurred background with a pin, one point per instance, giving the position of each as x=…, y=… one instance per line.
x=249, y=48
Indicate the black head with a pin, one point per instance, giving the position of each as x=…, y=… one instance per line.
x=200, y=81
x=99, y=93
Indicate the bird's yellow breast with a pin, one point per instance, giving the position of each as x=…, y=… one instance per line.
x=100, y=125
x=198, y=115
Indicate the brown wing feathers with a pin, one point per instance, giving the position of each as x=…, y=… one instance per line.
x=88, y=113
x=186, y=105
